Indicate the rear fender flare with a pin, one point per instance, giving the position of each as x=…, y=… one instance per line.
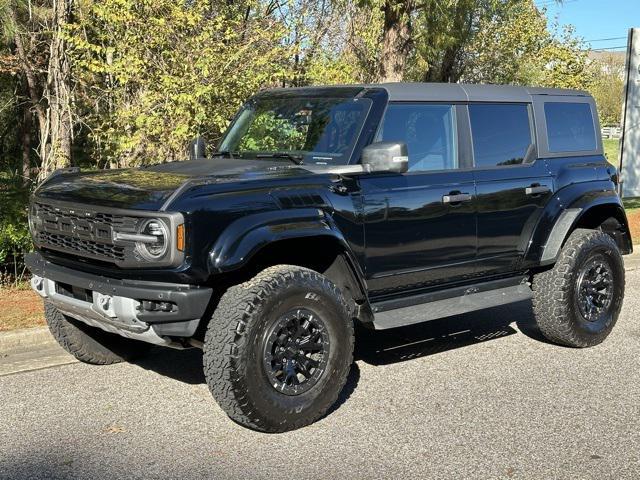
x=569, y=206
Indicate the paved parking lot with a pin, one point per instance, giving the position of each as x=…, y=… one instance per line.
x=476, y=396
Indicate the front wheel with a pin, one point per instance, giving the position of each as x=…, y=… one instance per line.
x=578, y=301
x=278, y=349
x=90, y=344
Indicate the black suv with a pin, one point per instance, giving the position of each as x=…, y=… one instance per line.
x=329, y=207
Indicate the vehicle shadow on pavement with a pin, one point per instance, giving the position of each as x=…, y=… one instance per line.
x=182, y=365
x=381, y=347
x=186, y=366
x=384, y=347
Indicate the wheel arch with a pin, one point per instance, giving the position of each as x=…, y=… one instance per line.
x=256, y=242
x=602, y=211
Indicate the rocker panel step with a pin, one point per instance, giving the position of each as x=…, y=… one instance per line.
x=422, y=308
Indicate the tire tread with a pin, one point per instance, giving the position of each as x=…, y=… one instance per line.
x=552, y=289
x=225, y=340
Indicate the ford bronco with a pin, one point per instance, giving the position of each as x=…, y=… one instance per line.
x=324, y=208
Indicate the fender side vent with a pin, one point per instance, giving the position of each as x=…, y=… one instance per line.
x=301, y=200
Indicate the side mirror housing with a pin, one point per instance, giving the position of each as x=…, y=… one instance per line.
x=197, y=148
x=386, y=157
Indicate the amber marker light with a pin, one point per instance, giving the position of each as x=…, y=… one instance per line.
x=180, y=238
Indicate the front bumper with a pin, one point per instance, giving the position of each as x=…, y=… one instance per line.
x=153, y=312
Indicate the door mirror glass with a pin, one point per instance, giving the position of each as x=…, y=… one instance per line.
x=386, y=157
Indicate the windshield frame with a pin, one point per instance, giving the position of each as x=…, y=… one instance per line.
x=337, y=93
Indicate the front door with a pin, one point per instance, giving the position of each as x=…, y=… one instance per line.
x=512, y=186
x=420, y=226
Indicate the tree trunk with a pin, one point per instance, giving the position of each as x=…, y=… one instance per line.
x=29, y=74
x=26, y=145
x=447, y=71
x=57, y=134
x=396, y=40
x=49, y=93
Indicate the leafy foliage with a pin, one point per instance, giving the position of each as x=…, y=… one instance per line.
x=156, y=73
x=267, y=132
x=131, y=82
x=607, y=88
x=15, y=239
x=507, y=42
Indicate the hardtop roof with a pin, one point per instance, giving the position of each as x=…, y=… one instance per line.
x=421, y=92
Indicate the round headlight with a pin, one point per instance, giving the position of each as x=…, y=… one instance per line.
x=157, y=249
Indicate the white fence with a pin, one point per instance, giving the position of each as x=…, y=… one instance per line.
x=611, y=132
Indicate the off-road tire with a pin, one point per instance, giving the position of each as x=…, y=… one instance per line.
x=555, y=293
x=89, y=344
x=236, y=335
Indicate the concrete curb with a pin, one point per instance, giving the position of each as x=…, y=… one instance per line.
x=25, y=337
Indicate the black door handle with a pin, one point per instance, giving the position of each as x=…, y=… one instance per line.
x=536, y=189
x=456, y=198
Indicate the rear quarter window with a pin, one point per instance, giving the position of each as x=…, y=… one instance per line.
x=569, y=127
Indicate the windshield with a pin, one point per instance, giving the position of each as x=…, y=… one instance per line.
x=319, y=130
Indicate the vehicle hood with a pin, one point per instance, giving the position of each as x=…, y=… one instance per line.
x=149, y=188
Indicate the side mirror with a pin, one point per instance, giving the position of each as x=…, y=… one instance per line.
x=386, y=157
x=197, y=148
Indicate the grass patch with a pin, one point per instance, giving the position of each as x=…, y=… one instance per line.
x=20, y=308
x=612, y=150
x=631, y=204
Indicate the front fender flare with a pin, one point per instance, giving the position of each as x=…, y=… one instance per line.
x=247, y=235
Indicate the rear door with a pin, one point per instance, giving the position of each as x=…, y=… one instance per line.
x=512, y=185
x=420, y=226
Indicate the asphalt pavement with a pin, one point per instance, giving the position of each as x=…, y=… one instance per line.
x=476, y=396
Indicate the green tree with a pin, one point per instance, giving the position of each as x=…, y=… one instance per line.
x=607, y=87
x=32, y=33
x=153, y=74
x=520, y=48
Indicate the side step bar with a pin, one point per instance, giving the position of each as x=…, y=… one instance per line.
x=445, y=303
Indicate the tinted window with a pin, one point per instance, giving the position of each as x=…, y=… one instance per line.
x=569, y=127
x=429, y=132
x=501, y=133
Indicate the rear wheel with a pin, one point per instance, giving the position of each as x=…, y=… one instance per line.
x=578, y=301
x=89, y=344
x=278, y=349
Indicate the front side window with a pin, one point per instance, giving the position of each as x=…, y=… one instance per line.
x=569, y=127
x=429, y=130
x=501, y=133
x=319, y=130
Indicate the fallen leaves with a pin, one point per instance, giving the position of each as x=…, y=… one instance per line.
x=114, y=429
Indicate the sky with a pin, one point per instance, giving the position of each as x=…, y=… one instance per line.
x=597, y=20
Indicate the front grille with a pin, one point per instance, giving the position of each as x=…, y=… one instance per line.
x=68, y=215
x=81, y=231
x=82, y=247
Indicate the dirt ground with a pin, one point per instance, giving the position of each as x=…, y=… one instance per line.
x=20, y=308
x=634, y=224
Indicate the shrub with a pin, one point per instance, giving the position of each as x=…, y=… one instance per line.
x=15, y=239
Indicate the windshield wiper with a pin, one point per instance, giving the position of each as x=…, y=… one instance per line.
x=297, y=159
x=226, y=153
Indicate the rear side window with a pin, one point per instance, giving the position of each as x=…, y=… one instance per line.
x=429, y=130
x=501, y=133
x=569, y=127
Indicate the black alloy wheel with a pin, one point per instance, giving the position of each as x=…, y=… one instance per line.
x=594, y=288
x=296, y=351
